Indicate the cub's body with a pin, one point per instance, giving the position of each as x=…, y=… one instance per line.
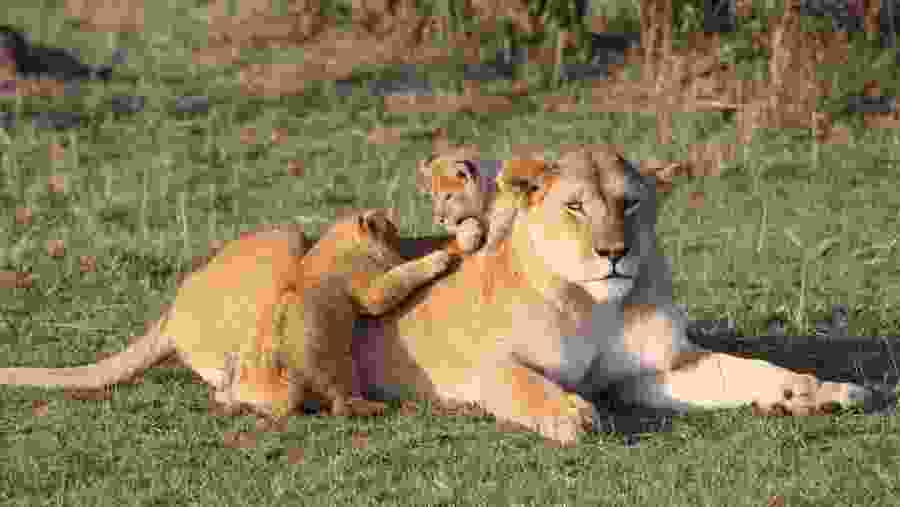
x=267, y=326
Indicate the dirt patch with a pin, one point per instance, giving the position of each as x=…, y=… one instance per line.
x=107, y=15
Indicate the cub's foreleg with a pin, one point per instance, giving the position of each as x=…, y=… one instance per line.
x=388, y=290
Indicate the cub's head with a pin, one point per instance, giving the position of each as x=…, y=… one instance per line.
x=589, y=220
x=459, y=188
x=371, y=233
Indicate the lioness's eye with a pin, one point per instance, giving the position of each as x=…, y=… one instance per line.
x=574, y=206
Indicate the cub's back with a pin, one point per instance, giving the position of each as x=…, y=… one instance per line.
x=217, y=307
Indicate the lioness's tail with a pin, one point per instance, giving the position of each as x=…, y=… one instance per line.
x=140, y=355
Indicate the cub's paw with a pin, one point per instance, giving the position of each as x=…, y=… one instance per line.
x=469, y=235
x=807, y=395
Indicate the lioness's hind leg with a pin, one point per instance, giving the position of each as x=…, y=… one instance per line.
x=714, y=380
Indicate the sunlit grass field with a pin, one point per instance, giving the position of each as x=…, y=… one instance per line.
x=788, y=229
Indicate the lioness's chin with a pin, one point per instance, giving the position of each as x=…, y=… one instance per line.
x=610, y=289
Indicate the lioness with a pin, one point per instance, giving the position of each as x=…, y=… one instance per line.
x=267, y=326
x=574, y=300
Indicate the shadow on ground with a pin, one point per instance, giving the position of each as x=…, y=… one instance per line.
x=870, y=361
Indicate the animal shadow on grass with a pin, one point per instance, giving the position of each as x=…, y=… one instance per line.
x=868, y=361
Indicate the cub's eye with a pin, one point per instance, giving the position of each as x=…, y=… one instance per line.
x=631, y=205
x=574, y=206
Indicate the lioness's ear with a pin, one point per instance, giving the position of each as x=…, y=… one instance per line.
x=524, y=176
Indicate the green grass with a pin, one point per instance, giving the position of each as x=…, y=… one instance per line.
x=148, y=192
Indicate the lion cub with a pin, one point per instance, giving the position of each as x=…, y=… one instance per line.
x=303, y=343
x=470, y=198
x=267, y=326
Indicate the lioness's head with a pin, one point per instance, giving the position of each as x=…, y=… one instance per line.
x=369, y=232
x=590, y=219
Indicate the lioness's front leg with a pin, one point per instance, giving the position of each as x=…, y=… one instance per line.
x=516, y=393
x=715, y=380
x=687, y=376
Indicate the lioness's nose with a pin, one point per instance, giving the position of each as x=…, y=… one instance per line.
x=614, y=254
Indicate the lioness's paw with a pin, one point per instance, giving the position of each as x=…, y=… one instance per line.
x=807, y=395
x=565, y=430
x=469, y=235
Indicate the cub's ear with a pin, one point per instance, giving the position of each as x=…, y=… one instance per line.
x=445, y=174
x=424, y=173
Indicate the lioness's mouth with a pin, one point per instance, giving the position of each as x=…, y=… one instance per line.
x=610, y=277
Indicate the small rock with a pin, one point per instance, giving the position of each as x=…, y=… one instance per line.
x=127, y=104
x=581, y=71
x=511, y=55
x=119, y=57
x=487, y=71
x=192, y=104
x=863, y=104
x=343, y=87
x=56, y=120
x=7, y=120
x=503, y=66
x=408, y=85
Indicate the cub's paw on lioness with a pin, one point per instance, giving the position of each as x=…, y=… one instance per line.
x=267, y=324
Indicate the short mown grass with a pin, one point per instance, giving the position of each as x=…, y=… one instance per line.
x=146, y=193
